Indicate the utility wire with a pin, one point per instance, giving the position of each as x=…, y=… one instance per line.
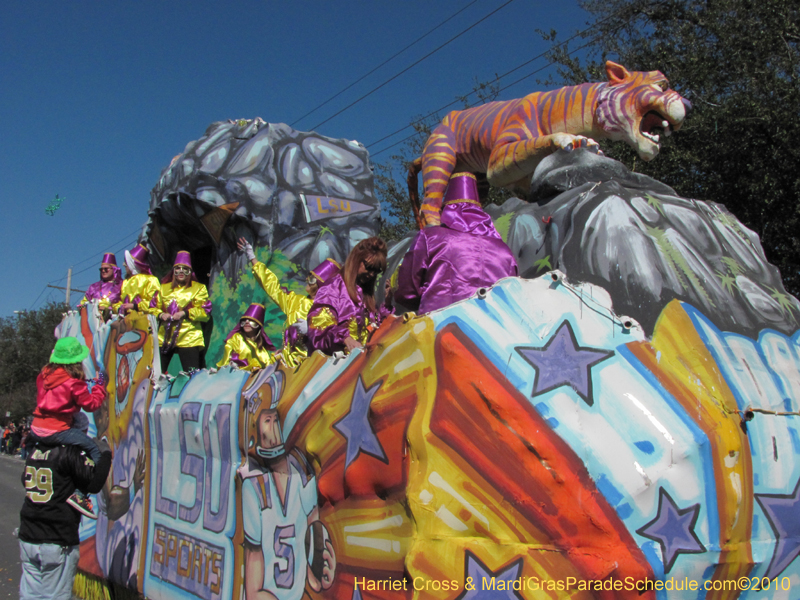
x=94, y=256
x=506, y=74
x=498, y=78
x=47, y=299
x=116, y=247
x=421, y=119
x=395, y=55
x=409, y=67
x=373, y=154
x=119, y=244
x=44, y=289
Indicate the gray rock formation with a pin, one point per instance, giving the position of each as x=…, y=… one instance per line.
x=599, y=223
x=307, y=195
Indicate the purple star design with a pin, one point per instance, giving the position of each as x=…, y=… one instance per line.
x=477, y=571
x=673, y=529
x=782, y=512
x=563, y=362
x=356, y=428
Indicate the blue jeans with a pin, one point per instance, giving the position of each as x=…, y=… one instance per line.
x=48, y=571
x=75, y=437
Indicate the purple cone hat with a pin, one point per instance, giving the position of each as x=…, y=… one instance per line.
x=138, y=258
x=110, y=260
x=140, y=254
x=463, y=187
x=255, y=312
x=328, y=269
x=183, y=258
x=461, y=208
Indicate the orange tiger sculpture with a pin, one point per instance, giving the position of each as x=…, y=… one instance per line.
x=506, y=140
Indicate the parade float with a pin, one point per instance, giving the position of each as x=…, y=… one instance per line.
x=620, y=421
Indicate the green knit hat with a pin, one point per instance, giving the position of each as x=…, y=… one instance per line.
x=68, y=351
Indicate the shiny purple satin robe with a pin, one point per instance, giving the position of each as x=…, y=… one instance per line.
x=352, y=318
x=333, y=296
x=104, y=289
x=449, y=262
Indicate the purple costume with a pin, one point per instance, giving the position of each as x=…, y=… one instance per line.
x=449, y=262
x=107, y=293
x=334, y=316
x=104, y=290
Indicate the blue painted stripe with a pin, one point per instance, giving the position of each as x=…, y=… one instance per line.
x=702, y=444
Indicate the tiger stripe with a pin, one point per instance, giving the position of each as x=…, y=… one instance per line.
x=506, y=140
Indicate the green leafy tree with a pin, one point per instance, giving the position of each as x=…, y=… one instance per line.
x=738, y=62
x=26, y=341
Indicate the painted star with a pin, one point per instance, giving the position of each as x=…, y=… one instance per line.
x=781, y=511
x=563, y=362
x=356, y=428
x=476, y=571
x=673, y=529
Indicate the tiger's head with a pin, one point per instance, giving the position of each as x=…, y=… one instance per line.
x=638, y=108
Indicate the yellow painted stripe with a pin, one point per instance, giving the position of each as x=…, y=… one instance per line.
x=446, y=155
x=689, y=372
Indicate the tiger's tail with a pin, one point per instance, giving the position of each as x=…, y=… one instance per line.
x=414, y=167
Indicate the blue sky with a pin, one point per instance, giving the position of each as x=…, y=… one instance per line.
x=96, y=98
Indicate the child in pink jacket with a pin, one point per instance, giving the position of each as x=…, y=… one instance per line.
x=62, y=392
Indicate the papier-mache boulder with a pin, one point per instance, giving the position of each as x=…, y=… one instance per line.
x=305, y=194
x=299, y=197
x=620, y=421
x=600, y=223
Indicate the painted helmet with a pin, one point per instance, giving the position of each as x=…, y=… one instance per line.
x=262, y=421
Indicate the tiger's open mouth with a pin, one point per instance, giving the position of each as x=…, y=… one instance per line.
x=653, y=125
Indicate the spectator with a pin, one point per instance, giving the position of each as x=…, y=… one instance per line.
x=23, y=450
x=48, y=531
x=15, y=440
x=62, y=392
x=7, y=437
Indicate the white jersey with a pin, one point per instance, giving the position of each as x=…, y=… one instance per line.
x=279, y=530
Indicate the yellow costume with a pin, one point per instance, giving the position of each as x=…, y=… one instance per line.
x=193, y=300
x=359, y=329
x=239, y=350
x=293, y=305
x=143, y=291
